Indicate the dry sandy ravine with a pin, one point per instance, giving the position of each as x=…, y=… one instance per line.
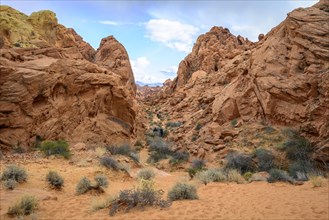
x=256, y=200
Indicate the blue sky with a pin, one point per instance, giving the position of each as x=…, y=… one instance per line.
x=159, y=34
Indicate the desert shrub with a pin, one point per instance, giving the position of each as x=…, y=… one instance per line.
x=265, y=159
x=138, y=143
x=290, y=133
x=182, y=191
x=25, y=206
x=247, y=175
x=146, y=174
x=101, y=181
x=300, y=169
x=298, y=149
x=234, y=122
x=179, y=157
x=235, y=176
x=269, y=130
x=60, y=147
x=144, y=195
x=211, y=175
x=173, y=124
x=10, y=184
x=83, y=186
x=239, y=161
x=279, y=175
x=159, y=149
x=14, y=172
x=110, y=163
x=317, y=181
x=198, y=126
x=54, y=179
x=198, y=164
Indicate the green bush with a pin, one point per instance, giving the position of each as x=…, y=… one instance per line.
x=239, y=161
x=182, y=191
x=110, y=163
x=83, y=186
x=234, y=122
x=25, y=206
x=10, y=184
x=60, y=147
x=247, y=175
x=301, y=169
x=146, y=174
x=14, y=172
x=279, y=175
x=144, y=195
x=298, y=149
x=54, y=180
x=265, y=159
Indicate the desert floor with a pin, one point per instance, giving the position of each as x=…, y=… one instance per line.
x=256, y=200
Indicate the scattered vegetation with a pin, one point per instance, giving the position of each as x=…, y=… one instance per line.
x=198, y=126
x=182, y=191
x=240, y=162
x=265, y=159
x=25, y=206
x=144, y=195
x=235, y=176
x=279, y=175
x=85, y=184
x=110, y=163
x=179, y=157
x=54, y=180
x=146, y=174
x=300, y=169
x=173, y=124
x=234, y=122
x=196, y=166
x=125, y=150
x=60, y=147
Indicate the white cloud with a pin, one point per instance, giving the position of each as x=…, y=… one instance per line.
x=173, y=34
x=170, y=70
x=114, y=23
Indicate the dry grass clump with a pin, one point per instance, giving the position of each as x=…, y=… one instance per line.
x=100, y=151
x=98, y=204
x=25, y=206
x=235, y=176
x=146, y=174
x=211, y=175
x=317, y=181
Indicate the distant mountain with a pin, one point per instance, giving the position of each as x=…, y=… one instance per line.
x=149, y=84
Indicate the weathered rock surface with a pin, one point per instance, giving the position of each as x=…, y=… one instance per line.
x=281, y=80
x=54, y=91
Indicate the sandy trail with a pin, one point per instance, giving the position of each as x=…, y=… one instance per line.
x=256, y=200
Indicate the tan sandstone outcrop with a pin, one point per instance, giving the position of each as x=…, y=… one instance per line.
x=281, y=80
x=53, y=90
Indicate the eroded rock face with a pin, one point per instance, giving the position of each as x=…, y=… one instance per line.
x=53, y=91
x=281, y=80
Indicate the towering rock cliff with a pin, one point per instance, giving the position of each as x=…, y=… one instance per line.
x=281, y=80
x=53, y=85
